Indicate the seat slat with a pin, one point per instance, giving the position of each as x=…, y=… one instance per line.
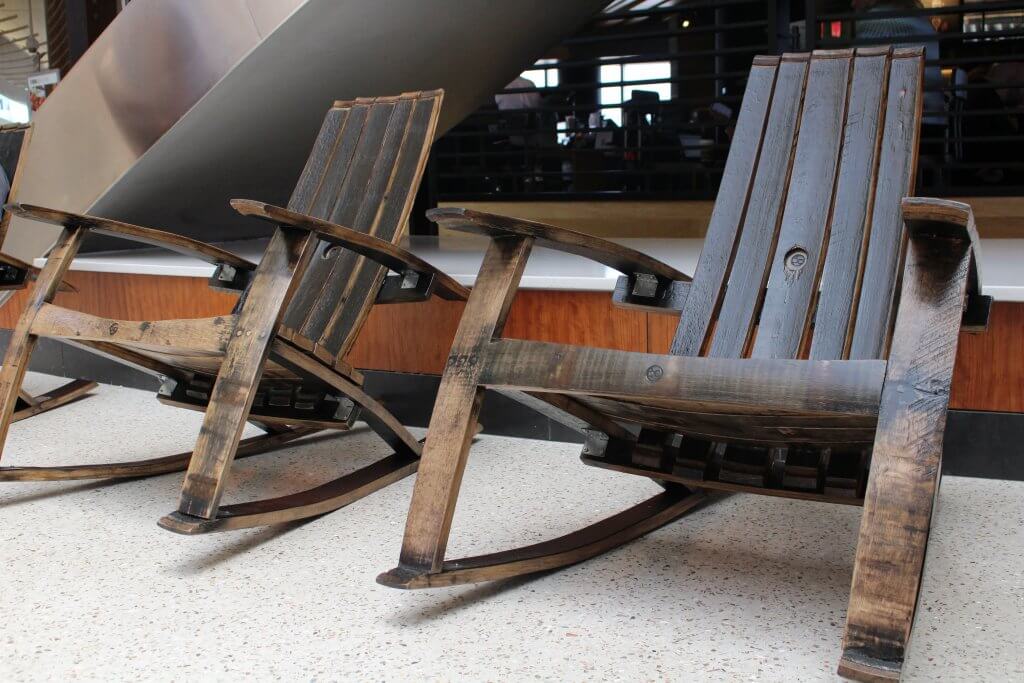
x=802, y=234
x=716, y=256
x=757, y=238
x=853, y=200
x=896, y=174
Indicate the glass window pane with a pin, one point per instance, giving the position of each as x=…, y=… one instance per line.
x=611, y=73
x=535, y=75
x=612, y=95
x=646, y=71
x=613, y=115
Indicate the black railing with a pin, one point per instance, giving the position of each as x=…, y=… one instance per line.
x=640, y=103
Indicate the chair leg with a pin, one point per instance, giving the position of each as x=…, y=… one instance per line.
x=906, y=463
x=231, y=399
x=331, y=495
x=459, y=397
x=22, y=340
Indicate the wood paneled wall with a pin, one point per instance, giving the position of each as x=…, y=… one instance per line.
x=416, y=337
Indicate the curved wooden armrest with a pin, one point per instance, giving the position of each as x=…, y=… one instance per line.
x=385, y=253
x=135, y=233
x=14, y=273
x=927, y=216
x=623, y=259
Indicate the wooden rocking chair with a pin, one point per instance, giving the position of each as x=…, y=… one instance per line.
x=805, y=377
x=15, y=274
x=276, y=361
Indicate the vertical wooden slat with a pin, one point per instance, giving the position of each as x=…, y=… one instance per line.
x=340, y=204
x=323, y=149
x=355, y=275
x=391, y=223
x=320, y=205
x=760, y=225
x=716, y=256
x=802, y=234
x=850, y=228
x=896, y=173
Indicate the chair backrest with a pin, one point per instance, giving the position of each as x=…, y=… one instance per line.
x=806, y=239
x=363, y=173
x=13, y=143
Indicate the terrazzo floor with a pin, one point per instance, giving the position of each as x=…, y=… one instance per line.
x=750, y=588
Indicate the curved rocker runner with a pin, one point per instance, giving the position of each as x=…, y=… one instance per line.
x=821, y=372
x=276, y=360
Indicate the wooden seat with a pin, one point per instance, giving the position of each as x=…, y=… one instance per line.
x=812, y=358
x=15, y=274
x=278, y=359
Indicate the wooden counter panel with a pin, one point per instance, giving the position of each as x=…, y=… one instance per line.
x=416, y=337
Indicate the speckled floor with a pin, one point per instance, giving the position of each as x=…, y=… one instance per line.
x=751, y=588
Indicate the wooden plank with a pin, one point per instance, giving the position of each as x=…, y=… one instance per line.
x=615, y=256
x=760, y=224
x=321, y=206
x=896, y=175
x=319, y=157
x=135, y=233
x=855, y=190
x=459, y=397
x=566, y=550
x=733, y=195
x=210, y=334
x=906, y=459
x=752, y=385
x=390, y=225
x=357, y=206
x=802, y=236
x=283, y=262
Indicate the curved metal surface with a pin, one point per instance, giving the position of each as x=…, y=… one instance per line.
x=183, y=104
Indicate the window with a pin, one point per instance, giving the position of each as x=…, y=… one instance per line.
x=12, y=110
x=618, y=81
x=542, y=75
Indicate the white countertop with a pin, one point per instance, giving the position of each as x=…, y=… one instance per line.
x=1002, y=262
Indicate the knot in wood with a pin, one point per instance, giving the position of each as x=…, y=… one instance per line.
x=654, y=373
x=113, y=328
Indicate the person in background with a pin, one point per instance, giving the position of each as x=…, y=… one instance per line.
x=912, y=30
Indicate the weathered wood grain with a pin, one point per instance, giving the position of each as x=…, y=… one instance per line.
x=897, y=166
x=849, y=228
x=455, y=413
x=757, y=238
x=803, y=235
x=906, y=459
x=716, y=257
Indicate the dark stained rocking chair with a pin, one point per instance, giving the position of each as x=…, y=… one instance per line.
x=821, y=372
x=276, y=361
x=15, y=274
